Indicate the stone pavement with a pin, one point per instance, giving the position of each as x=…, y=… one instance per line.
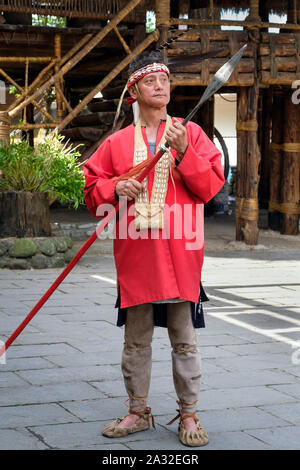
x=62, y=380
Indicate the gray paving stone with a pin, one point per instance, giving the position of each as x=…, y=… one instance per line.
x=70, y=374
x=280, y=438
x=250, y=363
x=244, y=379
x=80, y=435
x=21, y=416
x=38, y=350
x=290, y=389
x=289, y=412
x=10, y=379
x=87, y=359
x=237, y=440
x=239, y=397
x=27, y=363
x=236, y=419
x=113, y=389
x=249, y=383
x=267, y=347
x=20, y=439
x=48, y=394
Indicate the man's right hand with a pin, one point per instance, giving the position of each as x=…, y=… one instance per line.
x=129, y=188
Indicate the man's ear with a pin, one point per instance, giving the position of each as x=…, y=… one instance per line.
x=132, y=91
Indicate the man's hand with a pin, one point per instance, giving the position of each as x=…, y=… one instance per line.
x=177, y=137
x=129, y=188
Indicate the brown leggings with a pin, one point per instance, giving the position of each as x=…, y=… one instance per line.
x=137, y=354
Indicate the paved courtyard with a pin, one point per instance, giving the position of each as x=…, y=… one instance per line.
x=62, y=379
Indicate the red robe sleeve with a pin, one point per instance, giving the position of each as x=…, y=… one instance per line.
x=201, y=167
x=99, y=183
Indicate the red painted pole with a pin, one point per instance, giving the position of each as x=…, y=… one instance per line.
x=76, y=258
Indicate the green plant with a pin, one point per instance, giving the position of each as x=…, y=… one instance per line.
x=49, y=167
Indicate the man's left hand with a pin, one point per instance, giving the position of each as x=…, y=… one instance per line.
x=177, y=137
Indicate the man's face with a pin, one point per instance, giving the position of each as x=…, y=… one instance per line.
x=154, y=90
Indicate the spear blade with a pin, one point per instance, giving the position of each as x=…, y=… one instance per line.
x=218, y=80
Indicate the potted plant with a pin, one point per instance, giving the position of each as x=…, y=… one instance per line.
x=29, y=178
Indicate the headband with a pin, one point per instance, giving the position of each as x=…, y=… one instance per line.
x=142, y=72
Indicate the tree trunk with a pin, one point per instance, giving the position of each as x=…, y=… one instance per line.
x=24, y=214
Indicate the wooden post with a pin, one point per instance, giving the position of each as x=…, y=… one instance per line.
x=290, y=194
x=162, y=10
x=254, y=11
x=265, y=113
x=59, y=83
x=276, y=159
x=248, y=158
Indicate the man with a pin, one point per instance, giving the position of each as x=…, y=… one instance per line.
x=158, y=272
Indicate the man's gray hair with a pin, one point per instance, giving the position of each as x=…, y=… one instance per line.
x=143, y=59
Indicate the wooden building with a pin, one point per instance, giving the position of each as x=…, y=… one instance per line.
x=90, y=55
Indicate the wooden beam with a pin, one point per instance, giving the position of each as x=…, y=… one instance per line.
x=82, y=53
x=149, y=39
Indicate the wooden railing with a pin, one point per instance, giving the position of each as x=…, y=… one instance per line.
x=68, y=8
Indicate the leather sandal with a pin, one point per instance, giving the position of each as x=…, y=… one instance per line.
x=190, y=438
x=141, y=424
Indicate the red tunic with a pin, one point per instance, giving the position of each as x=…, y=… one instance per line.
x=167, y=267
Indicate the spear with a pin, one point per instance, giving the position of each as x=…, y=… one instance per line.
x=219, y=80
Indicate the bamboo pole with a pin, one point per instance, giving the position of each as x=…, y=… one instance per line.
x=82, y=53
x=35, y=103
x=122, y=41
x=27, y=127
x=33, y=84
x=44, y=74
x=64, y=99
x=37, y=60
x=58, y=82
x=149, y=39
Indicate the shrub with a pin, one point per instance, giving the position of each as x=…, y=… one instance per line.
x=50, y=167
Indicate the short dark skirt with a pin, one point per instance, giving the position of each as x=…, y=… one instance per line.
x=160, y=312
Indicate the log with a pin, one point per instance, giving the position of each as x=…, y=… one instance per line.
x=282, y=50
x=282, y=64
x=24, y=214
x=94, y=118
x=84, y=133
x=194, y=79
x=244, y=66
x=112, y=92
x=107, y=105
x=282, y=78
